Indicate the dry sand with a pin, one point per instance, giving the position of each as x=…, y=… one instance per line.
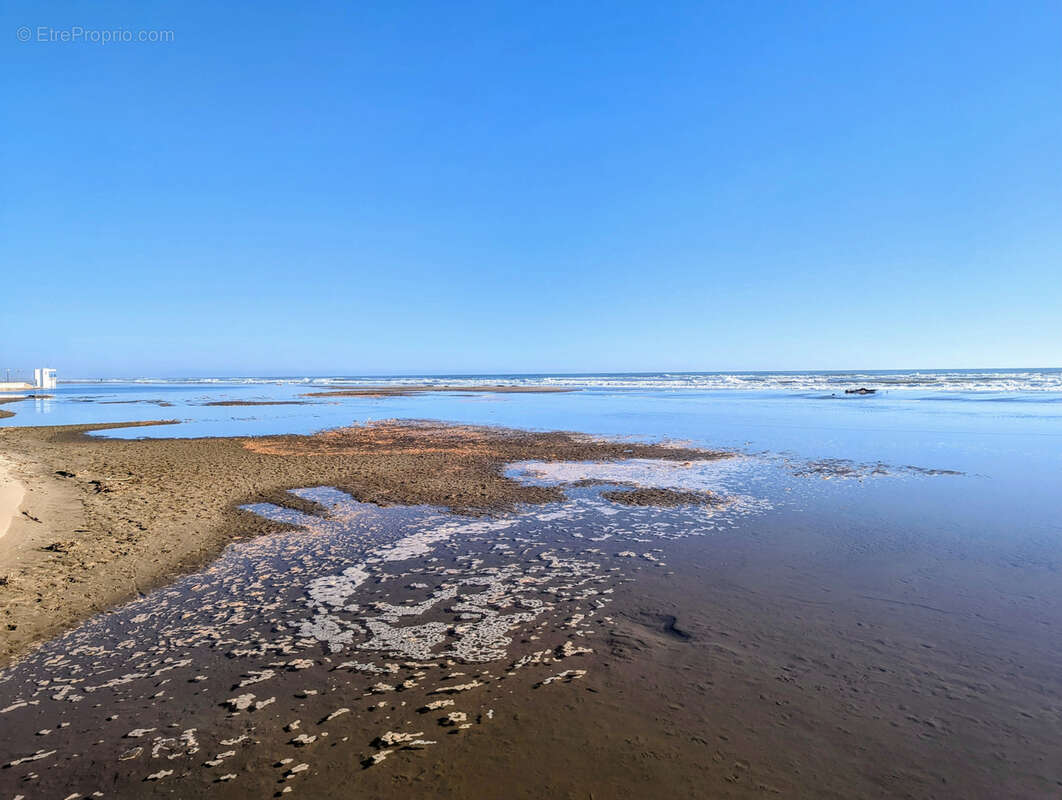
x=11, y=494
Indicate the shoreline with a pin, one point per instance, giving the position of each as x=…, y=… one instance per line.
x=107, y=520
x=4, y=413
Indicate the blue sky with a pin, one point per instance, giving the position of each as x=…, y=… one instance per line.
x=401, y=187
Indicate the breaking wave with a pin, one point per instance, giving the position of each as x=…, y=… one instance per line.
x=983, y=381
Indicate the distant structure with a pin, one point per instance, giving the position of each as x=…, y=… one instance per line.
x=43, y=378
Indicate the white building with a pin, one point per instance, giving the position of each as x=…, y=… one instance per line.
x=44, y=378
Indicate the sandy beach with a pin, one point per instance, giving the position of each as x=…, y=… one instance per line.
x=107, y=520
x=782, y=658
x=11, y=494
x=542, y=402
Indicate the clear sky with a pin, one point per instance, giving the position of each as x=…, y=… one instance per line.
x=357, y=187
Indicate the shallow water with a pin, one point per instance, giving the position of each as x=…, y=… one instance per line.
x=905, y=425
x=914, y=534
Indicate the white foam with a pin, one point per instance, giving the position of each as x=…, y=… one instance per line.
x=643, y=472
x=1016, y=380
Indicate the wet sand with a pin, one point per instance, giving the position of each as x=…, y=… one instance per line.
x=261, y=663
x=786, y=655
x=661, y=498
x=108, y=519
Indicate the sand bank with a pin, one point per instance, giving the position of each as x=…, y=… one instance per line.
x=108, y=519
x=4, y=413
